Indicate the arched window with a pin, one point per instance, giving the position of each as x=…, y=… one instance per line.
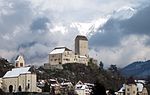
x=10, y=88
x=19, y=89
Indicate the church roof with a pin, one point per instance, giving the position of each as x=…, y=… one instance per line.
x=15, y=72
x=18, y=57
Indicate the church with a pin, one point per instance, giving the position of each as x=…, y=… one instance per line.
x=20, y=78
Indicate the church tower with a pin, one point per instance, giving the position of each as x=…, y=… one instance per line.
x=19, y=62
x=81, y=45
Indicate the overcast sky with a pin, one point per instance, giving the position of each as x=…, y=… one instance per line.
x=118, y=30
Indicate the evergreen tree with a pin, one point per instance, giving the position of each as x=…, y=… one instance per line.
x=98, y=89
x=101, y=65
x=46, y=87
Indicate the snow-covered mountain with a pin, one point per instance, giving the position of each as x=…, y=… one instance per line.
x=87, y=28
x=123, y=13
x=90, y=27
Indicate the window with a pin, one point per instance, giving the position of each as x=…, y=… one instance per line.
x=16, y=64
x=67, y=59
x=19, y=89
x=28, y=85
x=128, y=89
x=10, y=88
x=21, y=64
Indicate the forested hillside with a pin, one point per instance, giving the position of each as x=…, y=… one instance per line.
x=4, y=66
x=74, y=72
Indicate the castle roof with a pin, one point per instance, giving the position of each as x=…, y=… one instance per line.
x=81, y=37
x=58, y=50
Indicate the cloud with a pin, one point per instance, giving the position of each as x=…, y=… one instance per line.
x=35, y=27
x=116, y=28
x=23, y=32
x=39, y=24
x=122, y=41
x=139, y=23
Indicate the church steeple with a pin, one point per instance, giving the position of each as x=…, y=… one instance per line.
x=19, y=62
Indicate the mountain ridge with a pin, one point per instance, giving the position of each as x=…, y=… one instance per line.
x=139, y=69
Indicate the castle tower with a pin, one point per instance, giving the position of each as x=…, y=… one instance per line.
x=81, y=45
x=19, y=62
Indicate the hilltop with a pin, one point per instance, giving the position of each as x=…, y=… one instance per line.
x=75, y=72
x=140, y=69
x=91, y=73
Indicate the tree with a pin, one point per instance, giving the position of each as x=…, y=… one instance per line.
x=46, y=87
x=98, y=89
x=113, y=68
x=111, y=92
x=101, y=65
x=53, y=91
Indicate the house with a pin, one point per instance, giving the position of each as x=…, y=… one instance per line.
x=20, y=80
x=54, y=86
x=82, y=89
x=133, y=88
x=66, y=84
x=90, y=86
x=66, y=87
x=41, y=83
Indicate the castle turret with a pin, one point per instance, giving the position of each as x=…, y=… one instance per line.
x=81, y=45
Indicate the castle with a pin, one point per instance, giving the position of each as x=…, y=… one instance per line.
x=63, y=55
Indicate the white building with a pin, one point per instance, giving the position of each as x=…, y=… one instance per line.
x=82, y=89
x=66, y=84
x=61, y=55
x=20, y=80
x=136, y=88
x=54, y=84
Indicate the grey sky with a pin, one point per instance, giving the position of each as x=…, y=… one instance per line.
x=35, y=27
